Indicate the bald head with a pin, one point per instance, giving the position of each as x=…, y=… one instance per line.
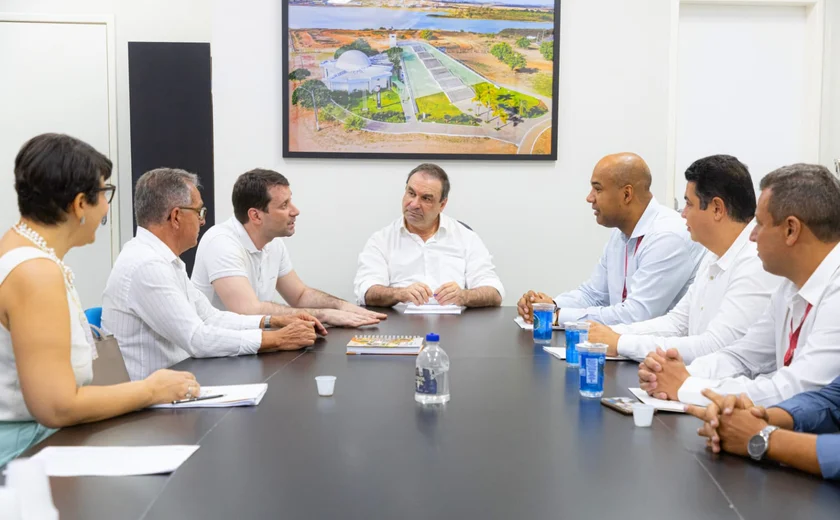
x=626, y=169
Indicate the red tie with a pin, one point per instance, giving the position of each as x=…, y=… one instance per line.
x=626, y=259
x=794, y=336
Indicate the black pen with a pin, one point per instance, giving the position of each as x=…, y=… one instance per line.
x=194, y=399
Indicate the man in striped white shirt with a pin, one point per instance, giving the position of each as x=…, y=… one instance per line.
x=156, y=314
x=731, y=289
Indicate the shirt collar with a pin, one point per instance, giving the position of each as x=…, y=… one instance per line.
x=735, y=249
x=242, y=235
x=644, y=223
x=445, y=224
x=148, y=238
x=815, y=286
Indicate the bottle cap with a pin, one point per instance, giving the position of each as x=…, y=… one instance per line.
x=432, y=337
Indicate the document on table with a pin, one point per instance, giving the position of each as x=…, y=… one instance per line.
x=231, y=395
x=112, y=461
x=432, y=307
x=560, y=353
x=659, y=404
x=530, y=326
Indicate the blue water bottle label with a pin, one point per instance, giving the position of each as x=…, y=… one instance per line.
x=425, y=382
x=591, y=371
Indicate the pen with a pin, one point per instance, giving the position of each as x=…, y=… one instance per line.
x=194, y=399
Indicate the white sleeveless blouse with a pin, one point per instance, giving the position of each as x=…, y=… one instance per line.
x=12, y=406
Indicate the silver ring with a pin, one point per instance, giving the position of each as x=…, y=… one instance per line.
x=189, y=393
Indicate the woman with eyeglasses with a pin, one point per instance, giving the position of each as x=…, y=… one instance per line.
x=46, y=347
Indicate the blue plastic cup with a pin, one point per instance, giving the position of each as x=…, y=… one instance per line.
x=592, y=359
x=576, y=332
x=543, y=318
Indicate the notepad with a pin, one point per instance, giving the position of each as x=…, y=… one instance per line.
x=231, y=395
x=560, y=353
x=530, y=326
x=432, y=307
x=112, y=461
x=381, y=344
x=659, y=404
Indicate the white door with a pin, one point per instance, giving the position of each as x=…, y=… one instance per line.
x=745, y=87
x=55, y=78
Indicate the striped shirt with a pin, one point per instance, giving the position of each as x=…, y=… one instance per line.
x=159, y=318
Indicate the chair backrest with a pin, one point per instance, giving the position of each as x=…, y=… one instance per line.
x=94, y=316
x=109, y=366
x=466, y=226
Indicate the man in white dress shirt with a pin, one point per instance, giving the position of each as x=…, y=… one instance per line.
x=242, y=263
x=425, y=254
x=648, y=263
x=795, y=346
x=731, y=289
x=153, y=310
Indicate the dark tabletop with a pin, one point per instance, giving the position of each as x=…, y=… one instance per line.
x=515, y=441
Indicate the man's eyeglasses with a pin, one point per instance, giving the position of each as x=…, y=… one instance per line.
x=202, y=211
x=109, y=190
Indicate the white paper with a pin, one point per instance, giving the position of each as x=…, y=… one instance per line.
x=659, y=404
x=560, y=353
x=232, y=395
x=432, y=307
x=112, y=461
x=519, y=320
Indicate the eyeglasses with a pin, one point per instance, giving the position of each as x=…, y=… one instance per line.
x=109, y=190
x=202, y=211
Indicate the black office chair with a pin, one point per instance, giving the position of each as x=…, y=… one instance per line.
x=466, y=226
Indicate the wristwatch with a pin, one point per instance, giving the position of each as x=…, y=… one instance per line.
x=267, y=322
x=760, y=442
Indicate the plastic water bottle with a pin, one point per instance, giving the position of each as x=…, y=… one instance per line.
x=431, y=385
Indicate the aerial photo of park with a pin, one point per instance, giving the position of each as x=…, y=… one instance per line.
x=386, y=77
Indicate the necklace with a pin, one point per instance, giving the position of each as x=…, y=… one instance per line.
x=33, y=236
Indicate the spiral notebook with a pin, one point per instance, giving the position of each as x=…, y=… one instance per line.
x=380, y=344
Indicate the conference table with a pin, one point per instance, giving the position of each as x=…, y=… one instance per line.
x=515, y=441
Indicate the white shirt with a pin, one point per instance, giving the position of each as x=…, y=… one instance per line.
x=659, y=270
x=755, y=364
x=226, y=250
x=159, y=318
x=12, y=406
x=728, y=295
x=395, y=257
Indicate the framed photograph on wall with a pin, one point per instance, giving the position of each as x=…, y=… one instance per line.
x=421, y=79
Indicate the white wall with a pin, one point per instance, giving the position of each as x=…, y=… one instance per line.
x=134, y=20
x=613, y=97
x=830, y=131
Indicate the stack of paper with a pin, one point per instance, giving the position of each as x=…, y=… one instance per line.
x=432, y=307
x=658, y=404
x=232, y=395
x=560, y=353
x=530, y=326
x=112, y=461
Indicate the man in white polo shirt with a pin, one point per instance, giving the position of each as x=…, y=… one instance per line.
x=425, y=254
x=731, y=289
x=242, y=263
x=795, y=346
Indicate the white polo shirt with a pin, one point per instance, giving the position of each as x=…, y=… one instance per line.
x=226, y=250
x=395, y=257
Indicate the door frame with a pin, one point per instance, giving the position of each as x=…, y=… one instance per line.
x=815, y=21
x=113, y=154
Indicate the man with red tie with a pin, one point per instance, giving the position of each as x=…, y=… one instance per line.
x=795, y=346
x=648, y=263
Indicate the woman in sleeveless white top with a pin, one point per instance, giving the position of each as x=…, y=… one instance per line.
x=18, y=429
x=62, y=197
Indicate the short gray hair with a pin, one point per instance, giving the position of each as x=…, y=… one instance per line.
x=159, y=191
x=808, y=192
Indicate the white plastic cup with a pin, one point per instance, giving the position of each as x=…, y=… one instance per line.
x=28, y=478
x=326, y=385
x=642, y=415
x=9, y=504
